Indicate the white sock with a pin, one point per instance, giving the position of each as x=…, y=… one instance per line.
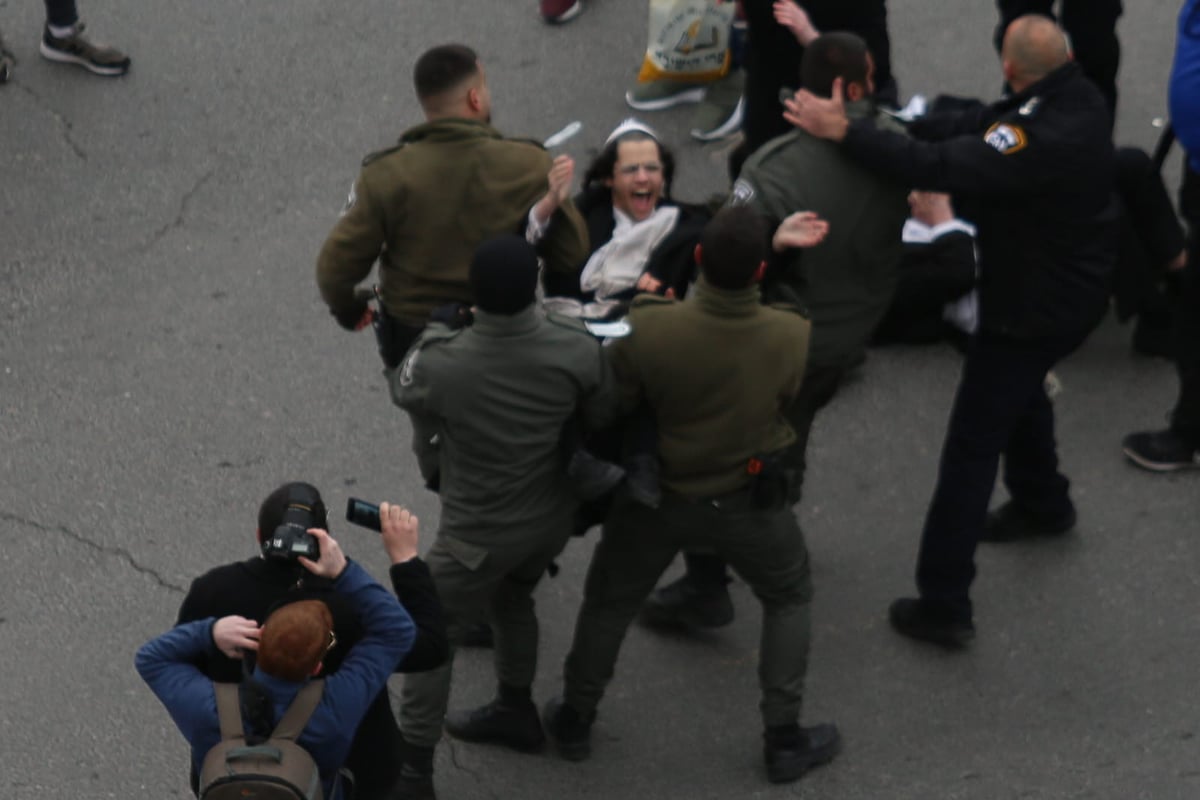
x=61, y=33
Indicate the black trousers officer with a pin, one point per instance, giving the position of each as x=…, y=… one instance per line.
x=1001, y=408
x=1092, y=26
x=1185, y=420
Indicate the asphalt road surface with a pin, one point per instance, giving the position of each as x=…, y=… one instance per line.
x=165, y=361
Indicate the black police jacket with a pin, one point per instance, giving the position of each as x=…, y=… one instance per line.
x=1036, y=169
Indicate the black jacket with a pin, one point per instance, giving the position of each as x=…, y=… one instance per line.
x=255, y=587
x=1036, y=169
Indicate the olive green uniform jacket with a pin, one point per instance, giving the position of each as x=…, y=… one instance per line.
x=423, y=207
x=488, y=403
x=717, y=370
x=845, y=283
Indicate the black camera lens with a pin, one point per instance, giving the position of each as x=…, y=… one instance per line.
x=360, y=512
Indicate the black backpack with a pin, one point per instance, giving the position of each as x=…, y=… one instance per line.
x=277, y=769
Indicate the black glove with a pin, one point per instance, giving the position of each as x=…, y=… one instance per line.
x=349, y=317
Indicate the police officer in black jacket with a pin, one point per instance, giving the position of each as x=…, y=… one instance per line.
x=1038, y=167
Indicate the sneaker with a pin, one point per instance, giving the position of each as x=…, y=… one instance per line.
x=684, y=604
x=512, y=724
x=558, y=12
x=76, y=49
x=912, y=618
x=570, y=730
x=1010, y=522
x=720, y=115
x=1161, y=451
x=660, y=94
x=791, y=755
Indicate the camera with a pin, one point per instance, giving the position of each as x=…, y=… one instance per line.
x=291, y=539
x=360, y=512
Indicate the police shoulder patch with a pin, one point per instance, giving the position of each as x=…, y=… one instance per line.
x=1006, y=138
x=743, y=192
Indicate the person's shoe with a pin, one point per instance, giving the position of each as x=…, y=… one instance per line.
x=788, y=757
x=478, y=635
x=7, y=62
x=570, y=730
x=664, y=93
x=77, y=49
x=416, y=774
x=1010, y=522
x=720, y=114
x=684, y=604
x=559, y=12
x=912, y=618
x=1161, y=451
x=504, y=722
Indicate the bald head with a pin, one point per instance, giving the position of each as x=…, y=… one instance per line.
x=1034, y=46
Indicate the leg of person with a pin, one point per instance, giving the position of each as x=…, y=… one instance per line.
x=1178, y=446
x=766, y=547
x=772, y=62
x=63, y=41
x=635, y=548
x=1041, y=504
x=465, y=576
x=7, y=61
x=999, y=377
x=1092, y=26
x=511, y=719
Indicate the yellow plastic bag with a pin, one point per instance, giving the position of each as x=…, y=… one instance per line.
x=688, y=40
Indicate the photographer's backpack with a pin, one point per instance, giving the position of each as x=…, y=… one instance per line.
x=277, y=769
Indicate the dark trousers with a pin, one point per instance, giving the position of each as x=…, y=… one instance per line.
x=707, y=570
x=1185, y=420
x=1001, y=408
x=61, y=13
x=1092, y=26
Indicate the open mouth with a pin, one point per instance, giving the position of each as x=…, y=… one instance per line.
x=643, y=203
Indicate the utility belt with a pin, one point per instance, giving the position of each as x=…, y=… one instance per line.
x=767, y=490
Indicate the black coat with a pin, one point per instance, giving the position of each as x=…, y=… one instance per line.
x=254, y=588
x=1036, y=169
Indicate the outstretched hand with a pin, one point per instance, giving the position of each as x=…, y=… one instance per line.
x=802, y=229
x=822, y=117
x=795, y=19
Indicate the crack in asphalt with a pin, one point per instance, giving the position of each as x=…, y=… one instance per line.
x=65, y=123
x=117, y=552
x=177, y=223
x=452, y=747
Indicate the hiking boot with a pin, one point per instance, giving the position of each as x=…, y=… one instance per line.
x=1161, y=451
x=685, y=604
x=416, y=773
x=558, y=12
x=720, y=115
x=790, y=754
x=1010, y=522
x=663, y=93
x=510, y=723
x=913, y=618
x=570, y=730
x=76, y=49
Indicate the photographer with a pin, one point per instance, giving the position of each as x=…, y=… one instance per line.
x=291, y=647
x=251, y=589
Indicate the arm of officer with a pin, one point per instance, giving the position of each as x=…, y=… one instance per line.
x=414, y=587
x=349, y=253
x=388, y=634
x=412, y=391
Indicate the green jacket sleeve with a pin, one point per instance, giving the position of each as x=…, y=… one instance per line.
x=350, y=251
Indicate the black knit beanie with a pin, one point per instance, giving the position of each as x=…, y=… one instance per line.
x=504, y=275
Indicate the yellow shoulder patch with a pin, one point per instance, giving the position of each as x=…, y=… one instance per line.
x=1006, y=137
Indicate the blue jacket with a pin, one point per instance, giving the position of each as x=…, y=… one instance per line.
x=1184, y=91
x=167, y=664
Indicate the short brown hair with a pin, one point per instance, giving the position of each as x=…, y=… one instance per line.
x=294, y=639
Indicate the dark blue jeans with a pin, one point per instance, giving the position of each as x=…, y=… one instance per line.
x=1001, y=408
x=61, y=13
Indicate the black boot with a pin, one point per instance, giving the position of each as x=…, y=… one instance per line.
x=700, y=599
x=416, y=774
x=790, y=751
x=570, y=730
x=916, y=619
x=1010, y=522
x=510, y=720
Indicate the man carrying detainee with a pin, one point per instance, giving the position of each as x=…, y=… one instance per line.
x=721, y=433
x=291, y=646
x=1038, y=168
x=422, y=207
